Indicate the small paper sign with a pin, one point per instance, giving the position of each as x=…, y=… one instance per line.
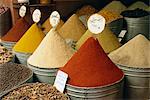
x=121, y=35
x=60, y=81
x=23, y=1
x=54, y=19
x=36, y=15
x=22, y=11
x=96, y=23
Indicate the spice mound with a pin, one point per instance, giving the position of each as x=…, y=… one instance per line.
x=17, y=31
x=138, y=4
x=109, y=15
x=115, y=6
x=12, y=75
x=91, y=67
x=30, y=40
x=135, y=53
x=36, y=91
x=86, y=10
x=135, y=13
x=107, y=40
x=72, y=29
x=5, y=55
x=53, y=52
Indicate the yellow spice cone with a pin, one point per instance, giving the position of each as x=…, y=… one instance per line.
x=30, y=40
x=86, y=10
x=115, y=6
x=107, y=39
x=138, y=4
x=47, y=26
x=72, y=29
x=53, y=52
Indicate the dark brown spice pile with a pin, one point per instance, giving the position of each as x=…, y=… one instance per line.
x=135, y=13
x=12, y=74
x=36, y=91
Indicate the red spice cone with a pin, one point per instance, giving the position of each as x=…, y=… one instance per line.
x=17, y=31
x=91, y=67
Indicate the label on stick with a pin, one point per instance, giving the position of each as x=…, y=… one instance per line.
x=54, y=19
x=22, y=11
x=60, y=81
x=36, y=15
x=96, y=23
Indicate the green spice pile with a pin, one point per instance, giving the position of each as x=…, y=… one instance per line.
x=5, y=55
x=12, y=75
x=36, y=91
x=135, y=53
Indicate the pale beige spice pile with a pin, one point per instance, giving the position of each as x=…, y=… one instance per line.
x=135, y=53
x=53, y=52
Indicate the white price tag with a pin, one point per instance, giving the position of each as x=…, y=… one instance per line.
x=121, y=35
x=23, y=1
x=96, y=23
x=22, y=11
x=60, y=81
x=54, y=19
x=36, y=15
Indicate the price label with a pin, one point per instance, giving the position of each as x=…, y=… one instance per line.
x=22, y=11
x=54, y=19
x=23, y=1
x=60, y=81
x=96, y=23
x=121, y=35
x=36, y=15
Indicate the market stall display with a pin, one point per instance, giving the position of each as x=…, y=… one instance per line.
x=94, y=50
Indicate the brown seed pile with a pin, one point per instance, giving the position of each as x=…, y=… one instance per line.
x=36, y=91
x=12, y=74
x=5, y=55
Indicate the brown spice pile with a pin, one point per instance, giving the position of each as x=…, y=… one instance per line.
x=109, y=15
x=36, y=91
x=12, y=74
x=86, y=10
